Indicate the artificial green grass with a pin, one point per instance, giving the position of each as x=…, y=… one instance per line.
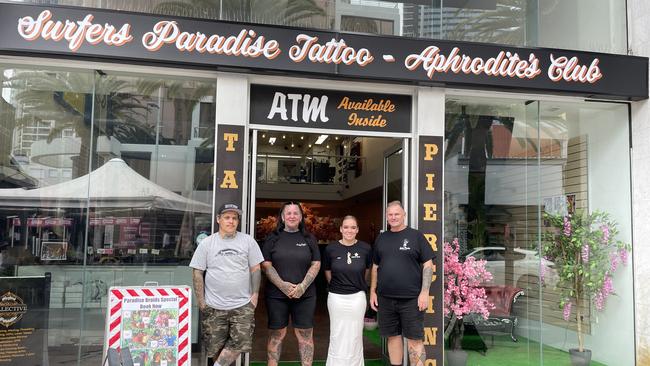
x=503, y=353
x=522, y=353
x=372, y=336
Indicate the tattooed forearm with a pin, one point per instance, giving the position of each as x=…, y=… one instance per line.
x=309, y=278
x=273, y=276
x=256, y=279
x=427, y=274
x=274, y=347
x=227, y=357
x=199, y=289
x=311, y=274
x=305, y=346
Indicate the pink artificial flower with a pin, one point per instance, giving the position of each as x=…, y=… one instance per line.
x=603, y=293
x=585, y=253
x=566, y=313
x=622, y=253
x=599, y=300
x=605, y=230
x=463, y=293
x=614, y=259
x=608, y=286
x=567, y=226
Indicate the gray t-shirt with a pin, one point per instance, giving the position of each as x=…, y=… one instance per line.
x=227, y=264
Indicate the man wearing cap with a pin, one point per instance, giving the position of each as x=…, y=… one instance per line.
x=226, y=274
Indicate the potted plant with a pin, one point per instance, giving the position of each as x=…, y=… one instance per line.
x=586, y=255
x=463, y=295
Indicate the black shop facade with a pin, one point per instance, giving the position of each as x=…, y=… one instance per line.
x=127, y=130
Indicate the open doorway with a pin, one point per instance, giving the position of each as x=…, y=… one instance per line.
x=332, y=176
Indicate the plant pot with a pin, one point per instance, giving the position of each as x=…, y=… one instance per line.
x=456, y=357
x=580, y=358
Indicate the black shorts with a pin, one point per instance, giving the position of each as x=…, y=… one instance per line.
x=400, y=317
x=301, y=311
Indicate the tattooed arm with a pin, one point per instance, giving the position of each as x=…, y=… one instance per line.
x=300, y=289
x=273, y=276
x=199, y=287
x=427, y=274
x=256, y=279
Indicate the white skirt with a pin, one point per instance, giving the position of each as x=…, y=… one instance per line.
x=346, y=329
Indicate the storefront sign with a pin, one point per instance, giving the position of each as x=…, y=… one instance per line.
x=230, y=165
x=154, y=322
x=329, y=109
x=430, y=218
x=24, y=317
x=126, y=37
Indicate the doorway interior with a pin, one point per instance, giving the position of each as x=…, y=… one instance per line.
x=332, y=176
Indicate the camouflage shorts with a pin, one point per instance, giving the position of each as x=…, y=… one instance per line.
x=232, y=329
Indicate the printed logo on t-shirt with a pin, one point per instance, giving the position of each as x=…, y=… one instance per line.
x=301, y=244
x=405, y=245
x=229, y=252
x=353, y=256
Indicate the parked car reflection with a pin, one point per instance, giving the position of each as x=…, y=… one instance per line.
x=527, y=267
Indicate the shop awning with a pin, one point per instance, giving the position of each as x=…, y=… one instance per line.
x=113, y=185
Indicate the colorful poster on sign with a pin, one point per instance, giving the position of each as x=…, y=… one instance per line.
x=153, y=322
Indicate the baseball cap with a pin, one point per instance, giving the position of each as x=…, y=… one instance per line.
x=229, y=207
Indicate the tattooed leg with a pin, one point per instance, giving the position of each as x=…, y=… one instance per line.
x=274, y=346
x=417, y=355
x=305, y=345
x=227, y=357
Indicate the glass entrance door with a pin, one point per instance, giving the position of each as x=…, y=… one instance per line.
x=331, y=176
x=395, y=187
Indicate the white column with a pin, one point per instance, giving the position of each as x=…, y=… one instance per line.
x=430, y=121
x=639, y=44
x=232, y=109
x=232, y=99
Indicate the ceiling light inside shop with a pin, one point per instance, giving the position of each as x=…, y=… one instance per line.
x=271, y=140
x=302, y=137
x=280, y=156
x=328, y=146
x=284, y=137
x=321, y=139
x=263, y=135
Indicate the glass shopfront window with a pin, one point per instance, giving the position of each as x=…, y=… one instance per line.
x=106, y=181
x=590, y=25
x=511, y=166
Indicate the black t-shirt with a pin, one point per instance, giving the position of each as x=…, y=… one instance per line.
x=399, y=256
x=291, y=255
x=348, y=266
